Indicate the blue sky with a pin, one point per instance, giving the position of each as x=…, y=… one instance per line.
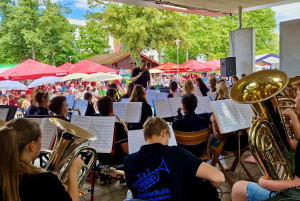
x=283, y=13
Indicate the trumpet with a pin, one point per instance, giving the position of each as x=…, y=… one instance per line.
x=67, y=148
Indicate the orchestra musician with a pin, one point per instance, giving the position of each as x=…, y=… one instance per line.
x=188, y=87
x=58, y=105
x=212, y=82
x=41, y=99
x=129, y=90
x=141, y=75
x=20, y=143
x=138, y=95
x=118, y=95
x=202, y=86
x=90, y=111
x=161, y=172
x=191, y=122
x=111, y=92
x=249, y=191
x=173, y=86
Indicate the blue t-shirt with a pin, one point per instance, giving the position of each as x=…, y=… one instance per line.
x=204, y=79
x=63, y=88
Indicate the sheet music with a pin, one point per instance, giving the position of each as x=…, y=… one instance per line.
x=150, y=96
x=3, y=113
x=175, y=103
x=136, y=140
x=212, y=95
x=161, y=95
x=81, y=105
x=198, y=92
x=177, y=95
x=228, y=120
x=125, y=100
x=101, y=127
x=245, y=111
x=162, y=108
x=119, y=110
x=70, y=101
x=203, y=102
x=133, y=112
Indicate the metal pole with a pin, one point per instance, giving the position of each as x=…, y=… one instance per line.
x=240, y=17
x=177, y=44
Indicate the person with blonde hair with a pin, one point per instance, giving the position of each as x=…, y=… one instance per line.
x=222, y=91
x=20, y=144
x=188, y=87
x=139, y=95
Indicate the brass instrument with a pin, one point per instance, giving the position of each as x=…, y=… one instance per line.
x=289, y=90
x=67, y=148
x=120, y=121
x=78, y=110
x=268, y=138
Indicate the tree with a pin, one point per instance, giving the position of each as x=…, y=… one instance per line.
x=141, y=28
x=93, y=40
x=63, y=57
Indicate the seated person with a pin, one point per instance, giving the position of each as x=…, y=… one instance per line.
x=58, y=105
x=129, y=90
x=191, y=122
x=243, y=190
x=20, y=144
x=105, y=106
x=90, y=111
x=118, y=95
x=202, y=86
x=165, y=87
x=41, y=99
x=173, y=87
x=139, y=95
x=111, y=92
x=161, y=172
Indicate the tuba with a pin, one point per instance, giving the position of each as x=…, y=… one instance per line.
x=268, y=138
x=289, y=91
x=67, y=147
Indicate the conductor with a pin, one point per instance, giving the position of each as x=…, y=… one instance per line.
x=141, y=75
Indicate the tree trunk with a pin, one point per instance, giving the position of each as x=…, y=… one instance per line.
x=159, y=56
x=187, y=55
x=33, y=53
x=52, y=59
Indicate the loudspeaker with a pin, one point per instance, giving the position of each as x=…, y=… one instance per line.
x=228, y=66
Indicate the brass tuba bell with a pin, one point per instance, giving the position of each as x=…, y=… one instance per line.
x=268, y=138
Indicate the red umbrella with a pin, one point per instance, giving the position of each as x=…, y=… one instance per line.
x=170, y=67
x=89, y=67
x=65, y=66
x=214, y=63
x=30, y=69
x=196, y=66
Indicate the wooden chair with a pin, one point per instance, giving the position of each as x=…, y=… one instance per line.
x=194, y=138
x=216, y=152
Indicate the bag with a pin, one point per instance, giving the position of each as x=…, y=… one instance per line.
x=290, y=194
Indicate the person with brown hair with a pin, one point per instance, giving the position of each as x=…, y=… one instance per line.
x=173, y=86
x=58, y=105
x=161, y=172
x=234, y=79
x=202, y=86
x=138, y=95
x=26, y=102
x=12, y=100
x=20, y=144
x=116, y=87
x=212, y=82
x=41, y=99
x=129, y=90
x=90, y=111
x=188, y=87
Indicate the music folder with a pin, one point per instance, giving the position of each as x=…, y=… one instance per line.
x=155, y=95
x=81, y=105
x=70, y=101
x=8, y=112
x=136, y=140
x=231, y=116
x=130, y=112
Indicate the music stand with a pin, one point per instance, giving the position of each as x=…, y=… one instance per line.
x=12, y=111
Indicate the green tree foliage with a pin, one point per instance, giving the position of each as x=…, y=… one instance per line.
x=30, y=31
x=209, y=36
x=141, y=28
x=93, y=40
x=63, y=57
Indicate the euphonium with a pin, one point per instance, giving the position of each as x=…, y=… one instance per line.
x=67, y=147
x=120, y=121
x=289, y=91
x=268, y=138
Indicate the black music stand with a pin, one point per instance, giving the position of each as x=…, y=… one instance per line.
x=12, y=111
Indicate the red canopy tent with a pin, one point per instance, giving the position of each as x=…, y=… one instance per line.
x=30, y=69
x=214, y=63
x=196, y=66
x=65, y=66
x=170, y=67
x=89, y=67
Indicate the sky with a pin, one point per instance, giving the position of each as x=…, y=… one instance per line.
x=283, y=13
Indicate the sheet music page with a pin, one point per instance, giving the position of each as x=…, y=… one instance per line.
x=199, y=109
x=198, y=92
x=212, y=95
x=81, y=105
x=119, y=110
x=203, y=102
x=246, y=113
x=133, y=112
x=125, y=100
x=3, y=113
x=175, y=103
x=70, y=101
x=48, y=132
x=162, y=95
x=136, y=140
x=162, y=108
x=101, y=127
x=228, y=120
x=177, y=95
x=150, y=96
